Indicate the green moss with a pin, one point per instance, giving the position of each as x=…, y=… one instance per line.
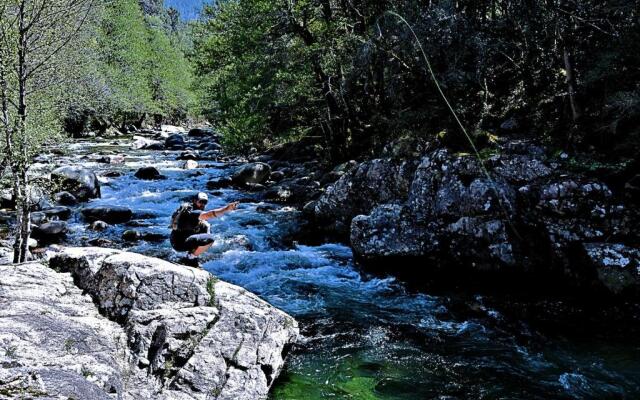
x=11, y=352
x=360, y=387
x=69, y=344
x=211, y=289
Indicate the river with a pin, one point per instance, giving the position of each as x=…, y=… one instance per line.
x=365, y=336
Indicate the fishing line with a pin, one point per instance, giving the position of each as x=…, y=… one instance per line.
x=464, y=130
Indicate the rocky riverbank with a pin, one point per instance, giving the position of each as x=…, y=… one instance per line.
x=100, y=323
x=530, y=214
x=363, y=333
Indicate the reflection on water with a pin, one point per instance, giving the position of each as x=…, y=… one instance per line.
x=365, y=337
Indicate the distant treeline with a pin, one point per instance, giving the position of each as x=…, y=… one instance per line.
x=135, y=68
x=350, y=72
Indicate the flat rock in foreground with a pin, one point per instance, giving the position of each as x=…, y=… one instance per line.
x=159, y=331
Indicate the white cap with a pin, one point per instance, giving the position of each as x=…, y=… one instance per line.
x=202, y=196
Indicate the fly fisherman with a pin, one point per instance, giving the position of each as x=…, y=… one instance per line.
x=190, y=230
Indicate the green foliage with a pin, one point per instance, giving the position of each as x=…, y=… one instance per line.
x=252, y=84
x=350, y=72
x=139, y=66
x=122, y=44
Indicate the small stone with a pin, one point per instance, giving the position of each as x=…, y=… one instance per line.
x=98, y=226
x=190, y=164
x=130, y=236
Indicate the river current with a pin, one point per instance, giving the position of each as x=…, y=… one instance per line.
x=366, y=336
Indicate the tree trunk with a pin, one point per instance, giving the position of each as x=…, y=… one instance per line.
x=25, y=225
x=23, y=222
x=17, y=244
x=576, y=113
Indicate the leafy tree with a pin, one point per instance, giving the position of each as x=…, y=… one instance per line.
x=351, y=72
x=37, y=39
x=142, y=69
x=122, y=45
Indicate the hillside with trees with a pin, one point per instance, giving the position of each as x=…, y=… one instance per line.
x=354, y=74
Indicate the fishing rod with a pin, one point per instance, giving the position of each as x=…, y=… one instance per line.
x=483, y=167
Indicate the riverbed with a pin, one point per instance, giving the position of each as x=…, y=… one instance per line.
x=365, y=336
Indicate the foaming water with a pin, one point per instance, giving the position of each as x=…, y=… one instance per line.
x=365, y=336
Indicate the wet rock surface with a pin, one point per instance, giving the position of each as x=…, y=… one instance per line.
x=253, y=173
x=163, y=331
x=80, y=182
x=149, y=174
x=108, y=214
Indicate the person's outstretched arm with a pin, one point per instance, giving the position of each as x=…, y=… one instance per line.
x=218, y=212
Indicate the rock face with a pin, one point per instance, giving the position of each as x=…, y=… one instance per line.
x=163, y=332
x=528, y=216
x=251, y=174
x=372, y=183
x=58, y=345
x=81, y=183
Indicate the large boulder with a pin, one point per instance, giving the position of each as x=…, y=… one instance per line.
x=518, y=213
x=189, y=333
x=359, y=191
x=616, y=266
x=175, y=141
x=149, y=174
x=108, y=214
x=80, y=182
x=50, y=232
x=251, y=174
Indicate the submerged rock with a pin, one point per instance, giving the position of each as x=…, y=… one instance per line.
x=80, y=182
x=149, y=174
x=108, y=214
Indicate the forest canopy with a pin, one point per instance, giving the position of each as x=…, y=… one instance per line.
x=138, y=68
x=350, y=72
